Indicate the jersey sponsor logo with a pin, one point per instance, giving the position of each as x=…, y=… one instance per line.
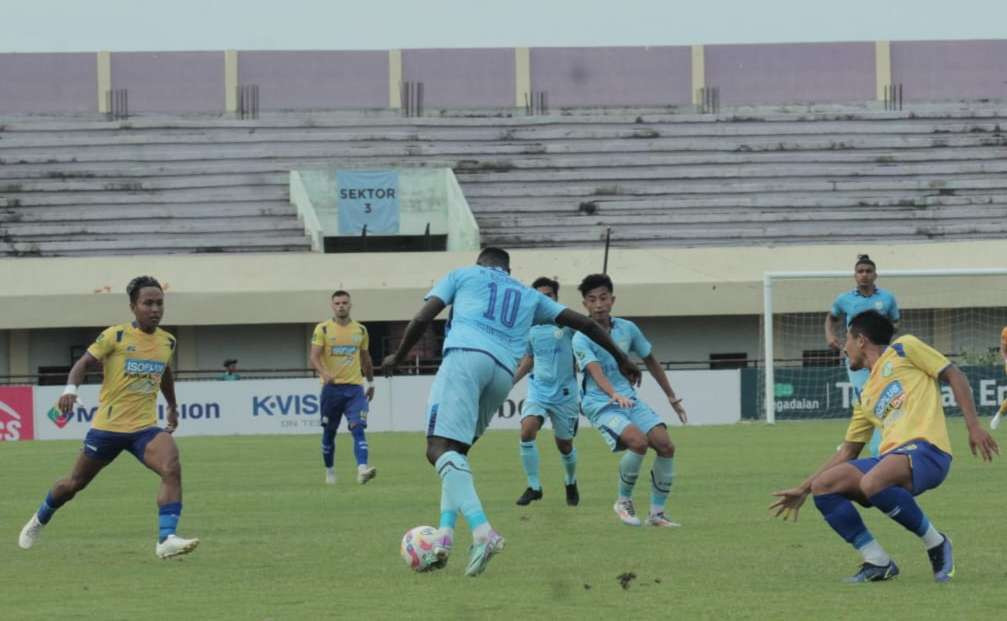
x=16, y=413
x=891, y=399
x=134, y=366
x=342, y=350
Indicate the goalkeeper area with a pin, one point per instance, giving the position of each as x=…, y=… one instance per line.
x=306, y=550
x=959, y=312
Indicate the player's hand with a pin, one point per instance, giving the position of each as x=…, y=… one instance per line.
x=788, y=502
x=370, y=392
x=66, y=403
x=621, y=401
x=172, y=419
x=630, y=371
x=676, y=404
x=388, y=365
x=982, y=443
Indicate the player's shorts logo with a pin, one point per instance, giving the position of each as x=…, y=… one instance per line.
x=557, y=333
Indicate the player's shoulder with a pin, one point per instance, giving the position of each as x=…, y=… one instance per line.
x=906, y=341
x=164, y=334
x=885, y=293
x=323, y=326
x=625, y=325
x=358, y=328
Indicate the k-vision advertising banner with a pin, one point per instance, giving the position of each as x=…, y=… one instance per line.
x=291, y=406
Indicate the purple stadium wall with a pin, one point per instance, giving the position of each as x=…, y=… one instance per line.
x=170, y=81
x=462, y=78
x=791, y=72
x=936, y=70
x=313, y=80
x=613, y=76
x=43, y=83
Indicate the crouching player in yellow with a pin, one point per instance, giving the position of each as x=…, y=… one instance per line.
x=135, y=358
x=901, y=396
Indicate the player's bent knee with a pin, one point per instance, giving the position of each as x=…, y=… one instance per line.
x=564, y=446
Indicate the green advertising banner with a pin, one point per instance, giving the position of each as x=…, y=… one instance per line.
x=825, y=392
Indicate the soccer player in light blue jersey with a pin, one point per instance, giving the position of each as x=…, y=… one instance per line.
x=851, y=303
x=611, y=404
x=552, y=393
x=491, y=314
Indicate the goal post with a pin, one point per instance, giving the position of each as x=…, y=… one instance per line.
x=958, y=311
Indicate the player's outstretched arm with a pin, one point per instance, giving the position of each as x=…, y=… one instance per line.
x=75, y=378
x=662, y=380
x=599, y=335
x=414, y=331
x=594, y=370
x=980, y=441
x=788, y=501
x=168, y=390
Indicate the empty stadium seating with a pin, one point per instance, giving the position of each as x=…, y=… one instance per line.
x=75, y=186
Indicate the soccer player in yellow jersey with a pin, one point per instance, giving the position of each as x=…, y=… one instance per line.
x=902, y=397
x=135, y=358
x=339, y=353
x=1003, y=354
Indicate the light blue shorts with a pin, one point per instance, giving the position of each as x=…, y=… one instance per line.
x=564, y=416
x=468, y=390
x=611, y=420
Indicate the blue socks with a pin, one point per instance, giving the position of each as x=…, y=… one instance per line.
x=843, y=517
x=167, y=519
x=569, y=466
x=458, y=492
x=629, y=471
x=899, y=504
x=359, y=444
x=661, y=476
x=529, y=460
x=47, y=508
x=328, y=446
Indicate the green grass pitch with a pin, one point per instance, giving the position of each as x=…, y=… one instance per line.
x=277, y=543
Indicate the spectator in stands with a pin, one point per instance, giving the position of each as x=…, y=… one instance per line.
x=866, y=296
x=230, y=370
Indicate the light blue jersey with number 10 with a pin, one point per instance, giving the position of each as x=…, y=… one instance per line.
x=492, y=312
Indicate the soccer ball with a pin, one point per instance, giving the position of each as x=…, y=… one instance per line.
x=417, y=547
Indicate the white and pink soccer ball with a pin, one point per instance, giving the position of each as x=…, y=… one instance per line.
x=417, y=547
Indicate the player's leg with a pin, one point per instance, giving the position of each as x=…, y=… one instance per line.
x=532, y=415
x=622, y=435
x=356, y=420
x=89, y=463
x=330, y=412
x=833, y=491
x=565, y=420
x=662, y=473
x=157, y=450
x=487, y=542
x=891, y=486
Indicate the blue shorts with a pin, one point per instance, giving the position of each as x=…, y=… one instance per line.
x=468, y=390
x=106, y=445
x=611, y=420
x=339, y=399
x=564, y=416
x=929, y=464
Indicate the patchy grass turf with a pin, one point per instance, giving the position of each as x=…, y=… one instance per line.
x=279, y=544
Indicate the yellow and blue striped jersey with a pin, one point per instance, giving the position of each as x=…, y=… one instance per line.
x=134, y=362
x=903, y=397
x=341, y=347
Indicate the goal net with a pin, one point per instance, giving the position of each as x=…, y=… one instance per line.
x=959, y=312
